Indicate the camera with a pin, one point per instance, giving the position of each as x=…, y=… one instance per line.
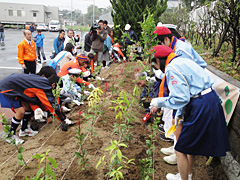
x=95, y=26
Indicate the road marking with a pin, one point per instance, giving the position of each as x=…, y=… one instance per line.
x=10, y=68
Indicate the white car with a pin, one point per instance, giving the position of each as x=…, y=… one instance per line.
x=42, y=27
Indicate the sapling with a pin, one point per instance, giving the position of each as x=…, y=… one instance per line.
x=46, y=170
x=82, y=155
x=117, y=160
x=9, y=134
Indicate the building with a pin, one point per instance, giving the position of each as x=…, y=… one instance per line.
x=17, y=14
x=173, y=4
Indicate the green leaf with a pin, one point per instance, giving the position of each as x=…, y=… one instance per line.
x=49, y=171
x=99, y=162
x=112, y=158
x=20, y=150
x=37, y=156
x=19, y=156
x=40, y=171
x=122, y=144
x=78, y=154
x=228, y=106
x=119, y=154
x=53, y=162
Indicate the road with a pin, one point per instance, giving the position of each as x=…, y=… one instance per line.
x=8, y=53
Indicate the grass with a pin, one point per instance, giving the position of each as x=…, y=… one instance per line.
x=81, y=28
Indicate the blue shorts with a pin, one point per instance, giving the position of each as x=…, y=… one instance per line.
x=9, y=103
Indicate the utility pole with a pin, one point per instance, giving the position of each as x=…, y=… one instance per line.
x=71, y=14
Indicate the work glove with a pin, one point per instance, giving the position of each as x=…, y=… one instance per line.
x=157, y=73
x=124, y=58
x=87, y=93
x=151, y=79
x=154, y=103
x=91, y=86
x=38, y=113
x=86, y=74
x=79, y=95
x=98, y=78
x=68, y=122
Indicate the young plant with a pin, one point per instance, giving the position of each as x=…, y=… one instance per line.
x=117, y=161
x=82, y=155
x=46, y=170
x=21, y=160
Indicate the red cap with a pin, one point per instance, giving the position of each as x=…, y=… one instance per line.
x=162, y=51
x=162, y=31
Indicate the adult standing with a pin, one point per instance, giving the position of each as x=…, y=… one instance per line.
x=187, y=87
x=39, y=44
x=58, y=43
x=31, y=28
x=1, y=33
x=70, y=39
x=106, y=27
x=131, y=33
x=107, y=51
x=27, y=53
x=88, y=42
x=98, y=37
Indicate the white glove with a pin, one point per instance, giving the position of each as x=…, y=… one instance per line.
x=79, y=95
x=91, y=86
x=124, y=58
x=152, y=79
x=77, y=102
x=68, y=122
x=154, y=103
x=87, y=93
x=86, y=74
x=110, y=52
x=98, y=78
x=157, y=73
x=38, y=113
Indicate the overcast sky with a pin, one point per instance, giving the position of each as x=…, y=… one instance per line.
x=65, y=4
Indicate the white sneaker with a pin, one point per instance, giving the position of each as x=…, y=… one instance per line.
x=27, y=132
x=40, y=120
x=119, y=61
x=106, y=67
x=103, y=67
x=65, y=109
x=177, y=176
x=17, y=140
x=172, y=159
x=168, y=151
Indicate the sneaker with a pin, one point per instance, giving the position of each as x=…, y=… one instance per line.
x=172, y=159
x=27, y=132
x=162, y=136
x=65, y=109
x=177, y=176
x=160, y=129
x=106, y=67
x=17, y=140
x=103, y=67
x=40, y=120
x=168, y=151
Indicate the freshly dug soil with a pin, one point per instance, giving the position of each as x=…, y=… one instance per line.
x=63, y=144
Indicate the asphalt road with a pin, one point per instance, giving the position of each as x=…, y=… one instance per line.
x=8, y=53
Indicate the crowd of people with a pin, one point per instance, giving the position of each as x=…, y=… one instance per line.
x=181, y=88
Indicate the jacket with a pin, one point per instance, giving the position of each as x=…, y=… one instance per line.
x=98, y=42
x=39, y=40
x=26, y=52
x=2, y=28
x=118, y=49
x=31, y=88
x=87, y=42
x=133, y=37
x=58, y=45
x=66, y=58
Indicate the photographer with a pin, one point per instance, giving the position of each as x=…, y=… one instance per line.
x=98, y=37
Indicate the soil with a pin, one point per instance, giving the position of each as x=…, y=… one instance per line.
x=63, y=144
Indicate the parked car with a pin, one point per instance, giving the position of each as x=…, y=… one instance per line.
x=42, y=26
x=28, y=24
x=54, y=25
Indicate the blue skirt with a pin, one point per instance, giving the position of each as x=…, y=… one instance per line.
x=204, y=130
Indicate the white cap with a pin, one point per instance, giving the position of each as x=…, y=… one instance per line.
x=74, y=71
x=167, y=25
x=127, y=27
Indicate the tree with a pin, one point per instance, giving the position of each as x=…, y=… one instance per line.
x=132, y=12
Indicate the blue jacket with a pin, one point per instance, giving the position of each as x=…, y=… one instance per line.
x=58, y=45
x=153, y=93
x=107, y=43
x=133, y=37
x=39, y=40
x=31, y=28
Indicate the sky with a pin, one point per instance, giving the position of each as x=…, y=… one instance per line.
x=65, y=4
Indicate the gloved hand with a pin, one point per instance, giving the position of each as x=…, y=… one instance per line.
x=98, y=78
x=110, y=52
x=38, y=113
x=157, y=73
x=68, y=122
x=124, y=58
x=152, y=79
x=86, y=74
x=154, y=103
x=79, y=95
x=91, y=86
x=77, y=102
x=87, y=93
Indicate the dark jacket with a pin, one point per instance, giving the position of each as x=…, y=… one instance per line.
x=87, y=42
x=31, y=28
x=2, y=28
x=58, y=45
x=98, y=40
x=31, y=88
x=133, y=37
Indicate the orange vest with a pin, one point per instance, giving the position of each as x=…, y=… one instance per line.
x=26, y=52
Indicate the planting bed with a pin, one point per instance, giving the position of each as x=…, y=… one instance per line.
x=63, y=144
